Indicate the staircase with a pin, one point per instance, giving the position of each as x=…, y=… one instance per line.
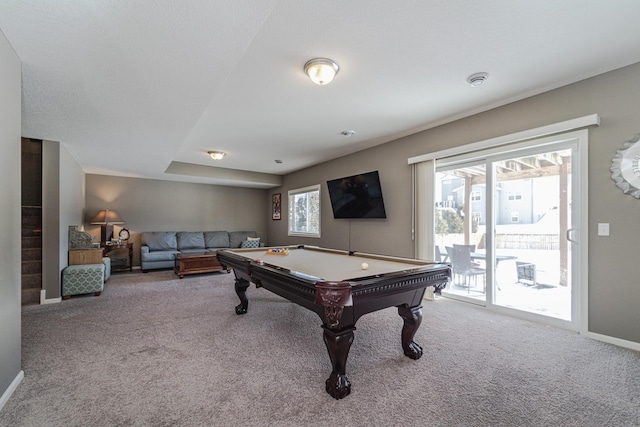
x=31, y=254
x=31, y=184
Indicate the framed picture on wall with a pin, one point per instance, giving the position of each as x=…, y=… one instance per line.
x=276, y=206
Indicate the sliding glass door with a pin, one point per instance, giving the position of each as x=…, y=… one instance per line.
x=460, y=226
x=504, y=219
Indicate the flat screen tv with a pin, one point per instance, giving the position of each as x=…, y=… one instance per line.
x=357, y=196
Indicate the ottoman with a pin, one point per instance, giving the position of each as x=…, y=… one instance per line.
x=107, y=267
x=82, y=279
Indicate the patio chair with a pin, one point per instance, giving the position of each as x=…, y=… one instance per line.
x=440, y=256
x=471, y=249
x=526, y=273
x=462, y=266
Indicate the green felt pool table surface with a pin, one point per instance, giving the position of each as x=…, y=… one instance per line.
x=332, y=265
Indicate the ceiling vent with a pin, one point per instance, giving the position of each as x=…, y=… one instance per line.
x=477, y=79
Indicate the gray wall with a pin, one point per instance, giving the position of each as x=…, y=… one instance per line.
x=50, y=219
x=72, y=200
x=62, y=205
x=152, y=205
x=10, y=223
x=614, y=288
x=391, y=236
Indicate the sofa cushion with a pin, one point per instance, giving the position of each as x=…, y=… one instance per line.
x=236, y=237
x=216, y=239
x=253, y=243
x=160, y=240
x=156, y=256
x=190, y=240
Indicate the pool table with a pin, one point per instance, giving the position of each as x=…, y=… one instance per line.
x=340, y=289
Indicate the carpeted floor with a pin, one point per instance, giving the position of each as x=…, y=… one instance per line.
x=155, y=350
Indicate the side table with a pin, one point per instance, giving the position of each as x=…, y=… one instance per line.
x=110, y=248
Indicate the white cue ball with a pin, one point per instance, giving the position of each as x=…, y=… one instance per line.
x=365, y=266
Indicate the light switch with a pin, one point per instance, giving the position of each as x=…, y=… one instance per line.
x=603, y=229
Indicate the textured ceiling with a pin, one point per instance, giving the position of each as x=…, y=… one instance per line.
x=145, y=88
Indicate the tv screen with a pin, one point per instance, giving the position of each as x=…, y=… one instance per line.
x=357, y=196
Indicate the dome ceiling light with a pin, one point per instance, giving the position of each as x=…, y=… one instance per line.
x=217, y=155
x=321, y=71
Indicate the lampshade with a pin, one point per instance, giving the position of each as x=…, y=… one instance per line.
x=321, y=71
x=217, y=155
x=107, y=217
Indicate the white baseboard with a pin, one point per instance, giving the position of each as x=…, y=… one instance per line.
x=44, y=300
x=12, y=387
x=615, y=341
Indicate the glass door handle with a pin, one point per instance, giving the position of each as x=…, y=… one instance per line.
x=569, y=232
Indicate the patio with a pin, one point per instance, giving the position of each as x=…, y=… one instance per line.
x=546, y=296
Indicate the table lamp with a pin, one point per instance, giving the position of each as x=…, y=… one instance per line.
x=106, y=218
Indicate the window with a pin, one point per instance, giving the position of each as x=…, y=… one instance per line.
x=304, y=211
x=515, y=196
x=515, y=216
x=476, y=196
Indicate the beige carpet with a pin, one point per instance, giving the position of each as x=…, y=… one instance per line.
x=155, y=350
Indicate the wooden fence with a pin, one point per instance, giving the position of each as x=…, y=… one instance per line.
x=527, y=241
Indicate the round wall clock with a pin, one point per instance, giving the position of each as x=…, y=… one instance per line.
x=124, y=234
x=625, y=167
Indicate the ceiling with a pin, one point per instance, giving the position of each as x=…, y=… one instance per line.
x=145, y=88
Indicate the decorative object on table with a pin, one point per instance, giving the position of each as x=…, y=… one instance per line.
x=278, y=251
x=625, y=168
x=80, y=239
x=276, y=201
x=124, y=235
x=106, y=218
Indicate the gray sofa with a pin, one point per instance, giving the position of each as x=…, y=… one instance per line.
x=159, y=248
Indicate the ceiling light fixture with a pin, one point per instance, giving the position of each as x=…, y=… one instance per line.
x=477, y=79
x=348, y=133
x=217, y=155
x=321, y=70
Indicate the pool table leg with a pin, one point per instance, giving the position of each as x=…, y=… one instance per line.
x=241, y=290
x=412, y=317
x=338, y=345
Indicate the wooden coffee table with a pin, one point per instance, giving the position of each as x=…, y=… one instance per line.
x=197, y=262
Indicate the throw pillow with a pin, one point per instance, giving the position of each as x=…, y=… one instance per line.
x=253, y=238
x=250, y=243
